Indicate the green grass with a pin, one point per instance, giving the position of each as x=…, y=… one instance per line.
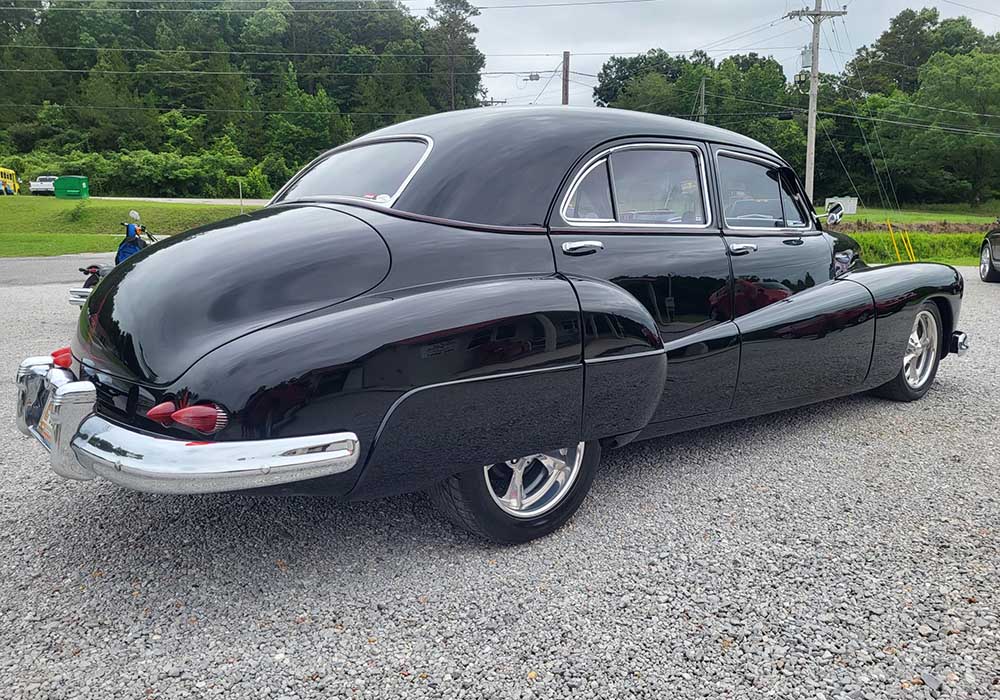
x=18, y=245
x=48, y=215
x=951, y=248
x=920, y=216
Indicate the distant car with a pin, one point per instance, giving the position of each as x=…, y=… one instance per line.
x=45, y=184
x=989, y=256
x=480, y=303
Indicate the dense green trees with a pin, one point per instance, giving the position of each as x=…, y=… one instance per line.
x=249, y=89
x=914, y=118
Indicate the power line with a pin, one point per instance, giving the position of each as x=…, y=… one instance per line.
x=313, y=10
x=883, y=191
x=308, y=54
x=918, y=104
x=184, y=71
x=547, y=82
x=970, y=7
x=841, y=161
x=117, y=108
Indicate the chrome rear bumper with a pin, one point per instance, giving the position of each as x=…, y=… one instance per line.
x=58, y=411
x=959, y=343
x=78, y=297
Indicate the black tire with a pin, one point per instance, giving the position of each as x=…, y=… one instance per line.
x=466, y=500
x=899, y=389
x=991, y=274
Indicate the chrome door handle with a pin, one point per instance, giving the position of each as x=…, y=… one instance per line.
x=582, y=247
x=742, y=248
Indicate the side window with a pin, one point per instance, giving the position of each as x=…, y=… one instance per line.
x=791, y=203
x=750, y=194
x=591, y=200
x=657, y=186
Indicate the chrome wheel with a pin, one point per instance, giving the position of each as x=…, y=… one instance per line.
x=921, y=350
x=533, y=485
x=985, y=265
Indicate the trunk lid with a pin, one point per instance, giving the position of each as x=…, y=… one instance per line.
x=164, y=308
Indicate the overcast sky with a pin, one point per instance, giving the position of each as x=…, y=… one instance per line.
x=677, y=26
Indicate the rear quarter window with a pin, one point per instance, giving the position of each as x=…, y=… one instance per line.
x=376, y=172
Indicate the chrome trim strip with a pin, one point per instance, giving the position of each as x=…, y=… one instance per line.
x=358, y=143
x=417, y=390
x=644, y=146
x=165, y=465
x=576, y=184
x=762, y=230
x=630, y=356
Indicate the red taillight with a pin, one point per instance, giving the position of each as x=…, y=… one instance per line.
x=161, y=412
x=62, y=358
x=205, y=418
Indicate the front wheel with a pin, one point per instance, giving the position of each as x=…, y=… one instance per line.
x=520, y=499
x=987, y=271
x=921, y=358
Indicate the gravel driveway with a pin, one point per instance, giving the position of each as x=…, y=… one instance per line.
x=848, y=549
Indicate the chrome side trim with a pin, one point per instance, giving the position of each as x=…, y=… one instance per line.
x=163, y=465
x=278, y=198
x=644, y=146
x=417, y=390
x=762, y=230
x=630, y=356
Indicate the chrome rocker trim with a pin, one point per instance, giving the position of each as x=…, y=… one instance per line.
x=83, y=445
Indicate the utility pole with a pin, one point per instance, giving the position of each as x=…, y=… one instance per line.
x=816, y=16
x=702, y=112
x=565, y=95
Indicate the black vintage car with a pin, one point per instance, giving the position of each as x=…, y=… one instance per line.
x=479, y=303
x=989, y=256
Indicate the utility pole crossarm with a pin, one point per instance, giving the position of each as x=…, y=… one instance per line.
x=809, y=14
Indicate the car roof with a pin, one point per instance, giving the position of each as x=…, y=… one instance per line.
x=503, y=166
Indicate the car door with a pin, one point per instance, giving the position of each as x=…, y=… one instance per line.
x=644, y=209
x=803, y=332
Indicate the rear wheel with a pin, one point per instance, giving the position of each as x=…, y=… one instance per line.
x=921, y=358
x=520, y=499
x=987, y=271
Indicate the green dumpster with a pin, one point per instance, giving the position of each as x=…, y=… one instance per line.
x=72, y=187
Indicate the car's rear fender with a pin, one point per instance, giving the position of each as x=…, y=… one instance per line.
x=435, y=375
x=898, y=290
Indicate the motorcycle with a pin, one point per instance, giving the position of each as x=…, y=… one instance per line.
x=130, y=245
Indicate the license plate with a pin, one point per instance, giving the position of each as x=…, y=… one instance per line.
x=44, y=424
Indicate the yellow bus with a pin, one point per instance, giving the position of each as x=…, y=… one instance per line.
x=8, y=181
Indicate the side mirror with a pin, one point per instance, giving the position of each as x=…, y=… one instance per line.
x=134, y=215
x=834, y=213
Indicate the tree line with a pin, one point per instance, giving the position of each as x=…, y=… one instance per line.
x=162, y=101
x=912, y=119
x=157, y=100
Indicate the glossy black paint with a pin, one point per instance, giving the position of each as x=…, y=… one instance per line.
x=154, y=316
x=446, y=345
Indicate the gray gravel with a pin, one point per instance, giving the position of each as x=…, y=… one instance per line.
x=844, y=550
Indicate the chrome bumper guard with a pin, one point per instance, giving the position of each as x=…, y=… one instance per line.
x=959, y=343
x=78, y=297
x=58, y=411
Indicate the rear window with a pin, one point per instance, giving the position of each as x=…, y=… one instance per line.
x=376, y=172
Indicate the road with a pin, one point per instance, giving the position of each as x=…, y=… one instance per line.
x=845, y=550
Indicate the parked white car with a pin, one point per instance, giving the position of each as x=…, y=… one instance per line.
x=45, y=184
